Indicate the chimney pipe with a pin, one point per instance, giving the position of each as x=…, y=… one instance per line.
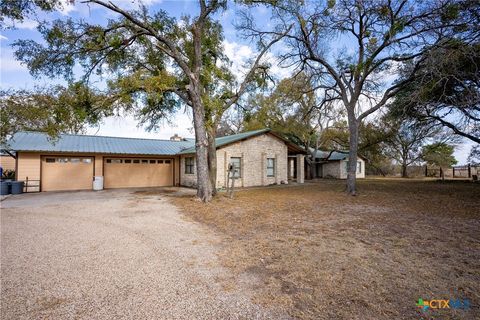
x=176, y=137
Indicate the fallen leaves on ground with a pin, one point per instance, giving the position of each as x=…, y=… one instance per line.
x=320, y=254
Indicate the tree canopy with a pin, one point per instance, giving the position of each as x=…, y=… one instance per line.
x=358, y=49
x=446, y=91
x=51, y=110
x=439, y=154
x=153, y=64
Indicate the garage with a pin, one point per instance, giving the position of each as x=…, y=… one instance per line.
x=66, y=173
x=137, y=172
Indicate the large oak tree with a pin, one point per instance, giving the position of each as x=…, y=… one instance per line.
x=155, y=64
x=357, y=48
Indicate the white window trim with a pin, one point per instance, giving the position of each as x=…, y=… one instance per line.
x=274, y=168
x=239, y=167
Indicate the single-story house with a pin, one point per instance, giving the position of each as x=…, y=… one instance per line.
x=73, y=162
x=333, y=164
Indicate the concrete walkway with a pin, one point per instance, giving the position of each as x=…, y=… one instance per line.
x=119, y=254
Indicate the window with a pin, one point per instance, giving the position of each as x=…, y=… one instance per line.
x=237, y=166
x=270, y=167
x=50, y=160
x=87, y=160
x=189, y=165
x=167, y=161
x=127, y=161
x=109, y=160
x=75, y=160
x=62, y=160
x=160, y=161
x=116, y=161
x=152, y=161
x=144, y=161
x=136, y=161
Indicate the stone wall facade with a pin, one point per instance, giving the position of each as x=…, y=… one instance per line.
x=331, y=169
x=343, y=169
x=338, y=169
x=253, y=153
x=188, y=179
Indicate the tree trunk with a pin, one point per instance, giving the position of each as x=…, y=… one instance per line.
x=311, y=162
x=204, y=187
x=212, y=160
x=404, y=170
x=352, y=155
x=311, y=170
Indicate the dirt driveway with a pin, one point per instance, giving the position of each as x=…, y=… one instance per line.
x=111, y=255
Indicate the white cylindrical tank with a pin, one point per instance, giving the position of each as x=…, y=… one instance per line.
x=98, y=183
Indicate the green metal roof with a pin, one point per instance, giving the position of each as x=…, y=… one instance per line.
x=222, y=141
x=41, y=142
x=334, y=156
x=37, y=141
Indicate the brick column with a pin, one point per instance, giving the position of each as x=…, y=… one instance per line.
x=300, y=168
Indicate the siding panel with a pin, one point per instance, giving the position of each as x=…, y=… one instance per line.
x=7, y=162
x=28, y=166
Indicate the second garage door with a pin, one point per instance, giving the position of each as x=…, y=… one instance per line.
x=132, y=172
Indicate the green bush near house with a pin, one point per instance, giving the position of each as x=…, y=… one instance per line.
x=8, y=175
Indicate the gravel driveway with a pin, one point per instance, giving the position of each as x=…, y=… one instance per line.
x=109, y=255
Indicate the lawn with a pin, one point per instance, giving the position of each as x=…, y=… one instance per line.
x=320, y=254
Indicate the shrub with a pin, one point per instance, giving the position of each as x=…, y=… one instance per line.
x=8, y=174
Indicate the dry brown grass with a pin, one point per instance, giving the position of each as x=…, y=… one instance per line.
x=320, y=254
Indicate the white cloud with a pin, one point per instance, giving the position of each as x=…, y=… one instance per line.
x=150, y=2
x=238, y=54
x=3, y=37
x=131, y=4
x=126, y=126
x=8, y=63
x=27, y=24
x=66, y=7
x=462, y=151
x=242, y=57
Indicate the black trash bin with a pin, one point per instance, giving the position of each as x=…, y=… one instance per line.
x=17, y=187
x=4, y=188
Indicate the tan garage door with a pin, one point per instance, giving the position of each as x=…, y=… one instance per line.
x=66, y=173
x=135, y=172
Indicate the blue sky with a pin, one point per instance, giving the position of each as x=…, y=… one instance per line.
x=14, y=75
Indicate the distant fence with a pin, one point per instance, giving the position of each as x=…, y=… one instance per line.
x=466, y=171
x=438, y=172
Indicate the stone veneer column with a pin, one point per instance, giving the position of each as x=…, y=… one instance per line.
x=264, y=168
x=225, y=169
x=276, y=169
x=300, y=168
x=242, y=166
